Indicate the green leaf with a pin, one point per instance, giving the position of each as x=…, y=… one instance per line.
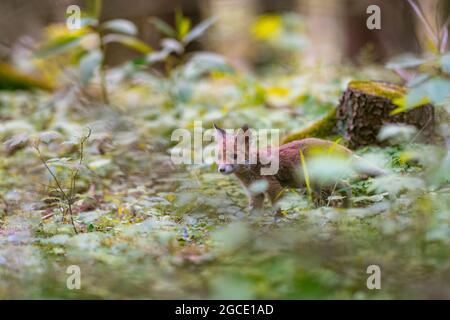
x=128, y=41
x=405, y=61
x=163, y=27
x=60, y=44
x=121, y=26
x=198, y=30
x=89, y=64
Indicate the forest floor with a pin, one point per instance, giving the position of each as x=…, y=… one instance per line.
x=150, y=229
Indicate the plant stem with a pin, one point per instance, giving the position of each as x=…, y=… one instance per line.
x=103, y=83
x=63, y=193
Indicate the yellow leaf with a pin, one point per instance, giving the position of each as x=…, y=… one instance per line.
x=407, y=156
x=305, y=174
x=170, y=197
x=267, y=27
x=333, y=146
x=277, y=91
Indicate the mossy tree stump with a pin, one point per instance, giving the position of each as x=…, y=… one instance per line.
x=367, y=105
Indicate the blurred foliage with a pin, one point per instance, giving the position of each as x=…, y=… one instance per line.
x=87, y=45
x=279, y=37
x=427, y=76
x=149, y=229
x=12, y=79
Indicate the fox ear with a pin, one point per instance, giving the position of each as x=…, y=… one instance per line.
x=245, y=127
x=220, y=130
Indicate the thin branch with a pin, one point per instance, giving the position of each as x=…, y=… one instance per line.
x=50, y=171
x=80, y=162
x=67, y=197
x=59, y=187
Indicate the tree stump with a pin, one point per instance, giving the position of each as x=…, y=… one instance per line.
x=367, y=105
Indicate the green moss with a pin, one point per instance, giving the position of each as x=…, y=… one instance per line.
x=12, y=79
x=375, y=88
x=321, y=128
x=326, y=127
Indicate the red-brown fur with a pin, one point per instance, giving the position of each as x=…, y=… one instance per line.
x=289, y=173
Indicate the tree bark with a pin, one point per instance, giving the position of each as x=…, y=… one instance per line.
x=366, y=106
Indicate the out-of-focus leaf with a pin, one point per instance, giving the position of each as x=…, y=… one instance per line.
x=438, y=90
x=267, y=27
x=172, y=45
x=418, y=79
x=163, y=27
x=231, y=237
x=121, y=26
x=88, y=21
x=128, y=41
x=405, y=61
x=397, y=132
x=394, y=184
x=156, y=56
x=204, y=62
x=182, y=23
x=99, y=163
x=16, y=141
x=61, y=44
x=328, y=168
x=445, y=62
x=198, y=30
x=259, y=186
x=415, y=97
x=48, y=136
x=89, y=64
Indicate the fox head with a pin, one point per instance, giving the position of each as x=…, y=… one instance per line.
x=232, y=150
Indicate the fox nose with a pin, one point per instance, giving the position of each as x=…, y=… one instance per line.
x=221, y=169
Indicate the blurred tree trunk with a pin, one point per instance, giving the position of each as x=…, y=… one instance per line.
x=324, y=26
x=231, y=34
x=338, y=30
x=19, y=18
x=395, y=37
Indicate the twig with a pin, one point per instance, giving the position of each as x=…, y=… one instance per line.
x=63, y=193
x=68, y=197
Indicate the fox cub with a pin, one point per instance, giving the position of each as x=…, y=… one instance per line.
x=291, y=160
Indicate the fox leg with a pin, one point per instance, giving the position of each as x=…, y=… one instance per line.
x=341, y=187
x=274, y=191
x=256, y=202
x=345, y=186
